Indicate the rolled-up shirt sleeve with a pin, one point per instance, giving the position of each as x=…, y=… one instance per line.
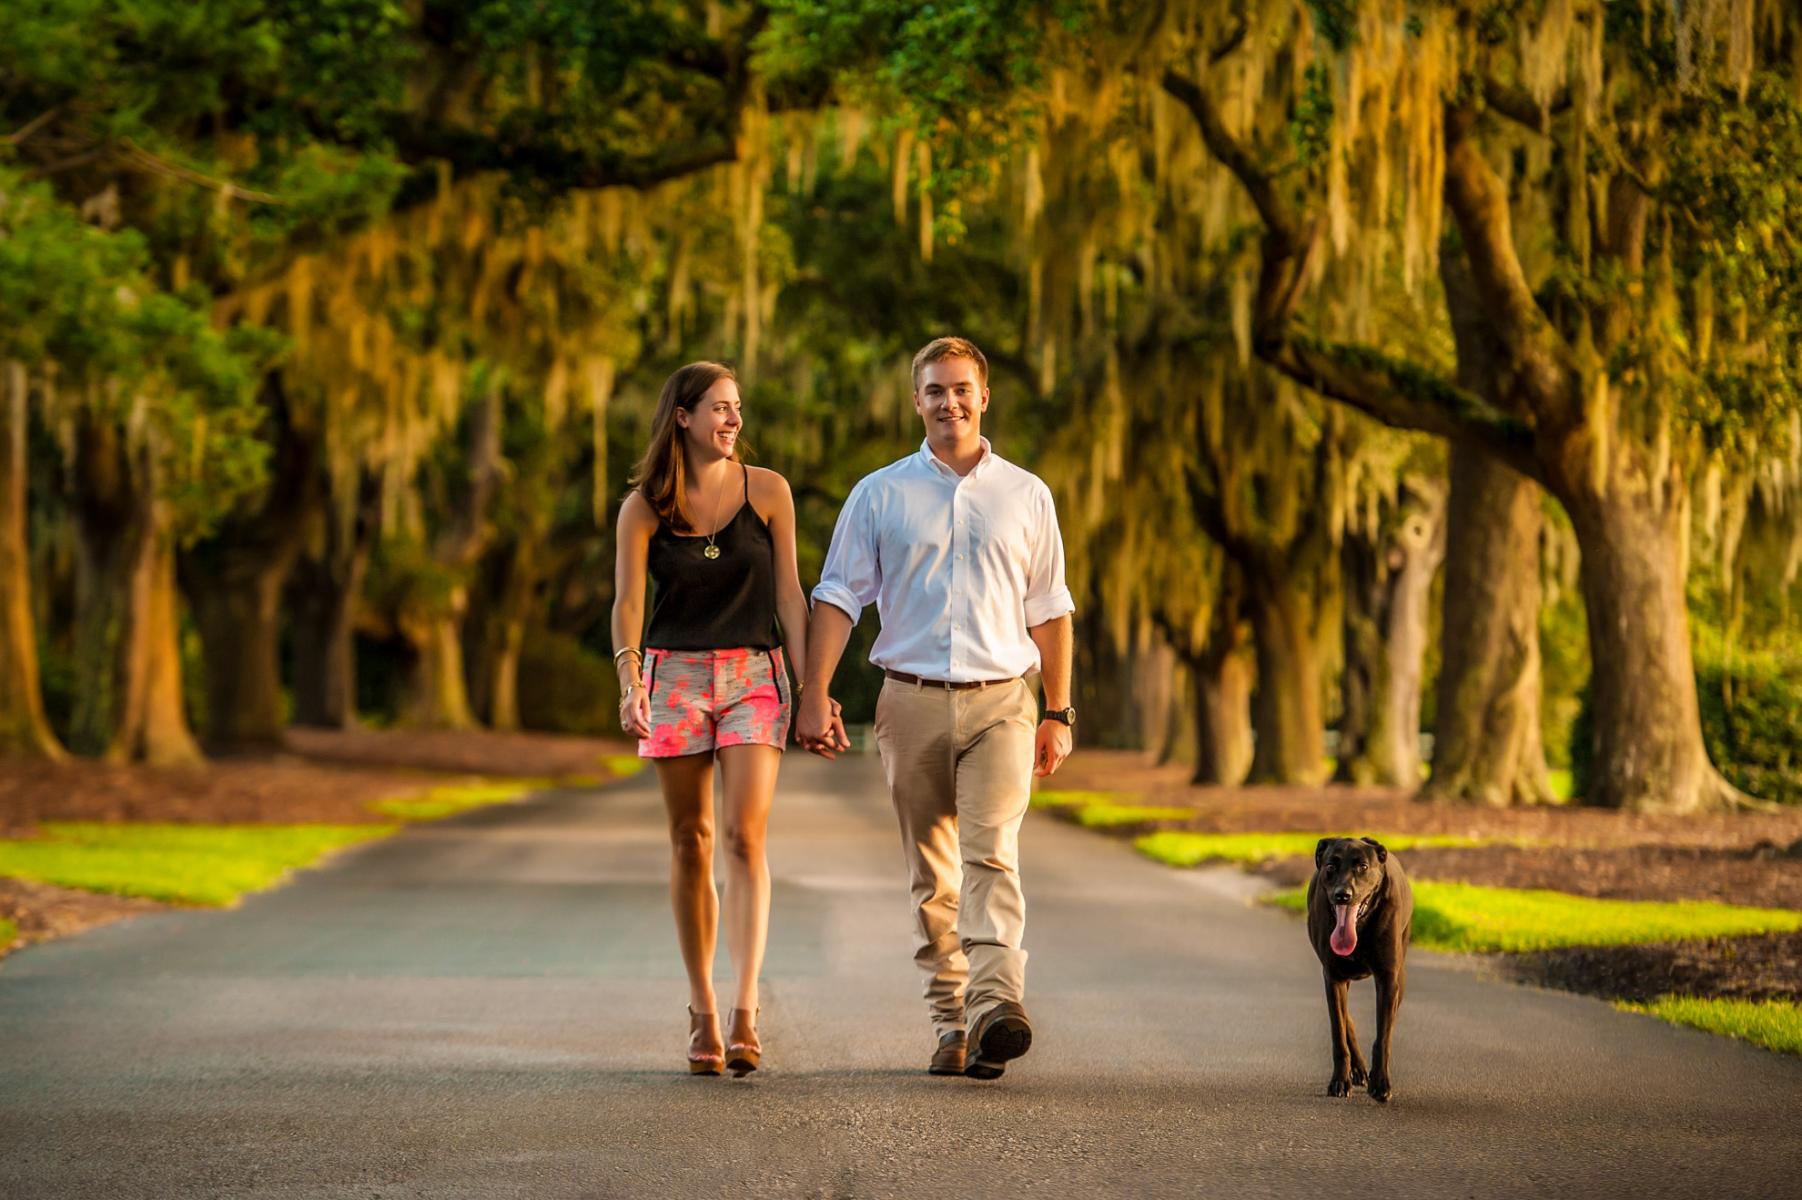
x=1047, y=597
x=852, y=576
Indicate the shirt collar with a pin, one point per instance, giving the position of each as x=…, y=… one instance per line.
x=932, y=460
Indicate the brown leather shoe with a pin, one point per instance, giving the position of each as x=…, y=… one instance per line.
x=948, y=1059
x=1003, y=1034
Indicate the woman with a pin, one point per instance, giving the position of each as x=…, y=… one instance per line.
x=718, y=539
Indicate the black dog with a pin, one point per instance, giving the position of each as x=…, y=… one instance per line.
x=1360, y=915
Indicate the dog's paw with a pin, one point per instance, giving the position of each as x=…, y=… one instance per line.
x=1380, y=1091
x=1339, y=1085
x=1360, y=1076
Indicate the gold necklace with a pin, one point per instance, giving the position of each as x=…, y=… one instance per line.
x=711, y=550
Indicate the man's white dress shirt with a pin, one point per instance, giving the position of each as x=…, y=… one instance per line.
x=960, y=567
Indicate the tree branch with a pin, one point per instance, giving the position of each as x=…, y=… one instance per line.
x=1517, y=104
x=1404, y=396
x=1225, y=147
x=1540, y=363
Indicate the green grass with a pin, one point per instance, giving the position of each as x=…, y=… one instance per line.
x=1561, y=782
x=8, y=931
x=185, y=864
x=1106, y=814
x=622, y=764
x=1055, y=799
x=1182, y=848
x=451, y=799
x=1773, y=1024
x=1466, y=917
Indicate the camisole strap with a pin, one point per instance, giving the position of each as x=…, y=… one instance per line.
x=747, y=472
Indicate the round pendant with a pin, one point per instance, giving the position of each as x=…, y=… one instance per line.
x=712, y=551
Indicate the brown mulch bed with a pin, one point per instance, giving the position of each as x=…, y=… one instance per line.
x=325, y=776
x=480, y=753
x=1748, y=968
x=1393, y=810
x=42, y=911
x=1735, y=858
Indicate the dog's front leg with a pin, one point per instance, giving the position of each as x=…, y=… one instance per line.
x=1339, y=1019
x=1389, y=1002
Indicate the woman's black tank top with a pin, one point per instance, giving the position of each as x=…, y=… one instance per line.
x=701, y=603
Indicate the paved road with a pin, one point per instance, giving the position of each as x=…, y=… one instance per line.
x=492, y=1007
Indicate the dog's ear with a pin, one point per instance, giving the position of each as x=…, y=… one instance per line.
x=1382, y=854
x=1320, y=850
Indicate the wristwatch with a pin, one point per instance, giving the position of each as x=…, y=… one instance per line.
x=1063, y=716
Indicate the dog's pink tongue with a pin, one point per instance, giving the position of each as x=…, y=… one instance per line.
x=1345, y=929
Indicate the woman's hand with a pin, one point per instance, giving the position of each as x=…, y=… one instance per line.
x=635, y=711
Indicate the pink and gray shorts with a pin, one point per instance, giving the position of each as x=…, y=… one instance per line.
x=704, y=700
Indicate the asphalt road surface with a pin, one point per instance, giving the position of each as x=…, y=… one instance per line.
x=493, y=1006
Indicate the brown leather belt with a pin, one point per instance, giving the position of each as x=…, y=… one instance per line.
x=904, y=677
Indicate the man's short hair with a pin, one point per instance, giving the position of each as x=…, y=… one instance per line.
x=940, y=349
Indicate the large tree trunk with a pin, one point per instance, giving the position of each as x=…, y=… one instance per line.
x=126, y=611
x=436, y=694
x=1223, y=741
x=322, y=601
x=1285, y=709
x=234, y=581
x=238, y=612
x=1647, y=753
x=1487, y=745
x=23, y=727
x=1388, y=580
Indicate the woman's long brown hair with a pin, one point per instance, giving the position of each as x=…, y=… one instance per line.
x=660, y=475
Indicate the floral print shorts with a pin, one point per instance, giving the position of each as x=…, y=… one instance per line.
x=705, y=699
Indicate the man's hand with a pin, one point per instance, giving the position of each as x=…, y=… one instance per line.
x=1051, y=746
x=820, y=727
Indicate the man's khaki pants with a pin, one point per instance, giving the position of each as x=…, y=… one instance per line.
x=959, y=767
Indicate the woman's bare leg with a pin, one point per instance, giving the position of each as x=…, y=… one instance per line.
x=688, y=796
x=749, y=777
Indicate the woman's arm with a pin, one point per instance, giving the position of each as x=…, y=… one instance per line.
x=633, y=545
x=778, y=501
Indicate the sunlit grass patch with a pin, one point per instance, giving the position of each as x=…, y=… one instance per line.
x=1467, y=917
x=185, y=864
x=1106, y=814
x=1055, y=799
x=1183, y=848
x=1773, y=1024
x=1561, y=782
x=8, y=931
x=622, y=764
x=450, y=799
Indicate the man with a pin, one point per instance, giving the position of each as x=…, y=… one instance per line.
x=960, y=551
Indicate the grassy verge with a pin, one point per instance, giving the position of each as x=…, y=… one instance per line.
x=622, y=764
x=451, y=799
x=1183, y=848
x=1773, y=1024
x=183, y=864
x=8, y=931
x=1466, y=917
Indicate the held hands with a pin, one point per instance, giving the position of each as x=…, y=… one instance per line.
x=820, y=726
x=1051, y=746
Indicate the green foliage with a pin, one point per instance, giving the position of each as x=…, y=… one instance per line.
x=9, y=932
x=1183, y=848
x=1749, y=701
x=570, y=689
x=183, y=864
x=962, y=73
x=1773, y=1024
x=1468, y=918
x=1751, y=705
